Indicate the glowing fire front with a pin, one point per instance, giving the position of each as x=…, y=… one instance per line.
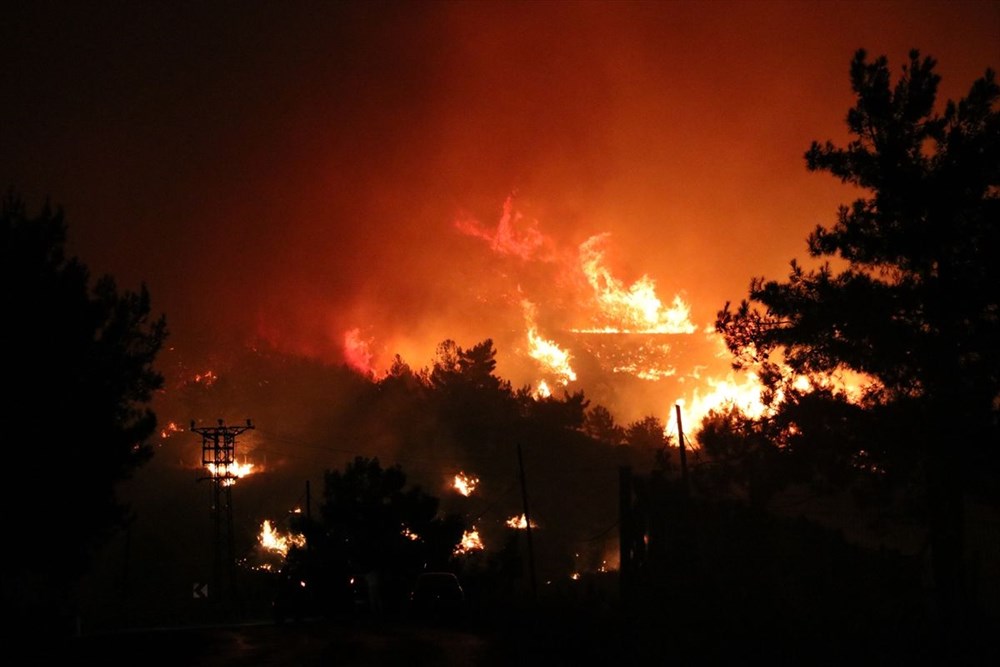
x=520, y=522
x=465, y=484
x=553, y=359
x=208, y=378
x=232, y=471
x=170, y=429
x=357, y=352
x=631, y=309
x=272, y=540
x=581, y=322
x=470, y=542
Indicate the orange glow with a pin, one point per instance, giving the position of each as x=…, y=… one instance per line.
x=232, y=472
x=470, y=542
x=629, y=309
x=208, y=378
x=543, y=390
x=513, y=236
x=744, y=394
x=553, y=359
x=272, y=540
x=357, y=352
x=520, y=522
x=465, y=484
x=170, y=428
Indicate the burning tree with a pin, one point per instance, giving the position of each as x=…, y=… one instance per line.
x=914, y=306
x=78, y=378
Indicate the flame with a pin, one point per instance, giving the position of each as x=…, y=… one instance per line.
x=632, y=309
x=553, y=359
x=208, y=378
x=470, y=542
x=272, y=540
x=231, y=472
x=543, y=390
x=743, y=394
x=171, y=427
x=513, y=236
x=520, y=522
x=357, y=352
x=465, y=484
x=625, y=327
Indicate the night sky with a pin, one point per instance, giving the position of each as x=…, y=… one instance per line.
x=289, y=173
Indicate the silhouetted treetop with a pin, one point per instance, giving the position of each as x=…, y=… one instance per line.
x=913, y=306
x=373, y=520
x=917, y=306
x=78, y=379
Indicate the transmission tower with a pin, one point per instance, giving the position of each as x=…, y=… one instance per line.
x=218, y=456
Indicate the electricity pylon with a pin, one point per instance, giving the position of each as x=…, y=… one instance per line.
x=218, y=455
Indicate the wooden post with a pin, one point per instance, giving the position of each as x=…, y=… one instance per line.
x=680, y=441
x=527, y=522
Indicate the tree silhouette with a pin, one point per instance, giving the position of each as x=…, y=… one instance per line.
x=600, y=424
x=373, y=522
x=913, y=306
x=476, y=406
x=78, y=378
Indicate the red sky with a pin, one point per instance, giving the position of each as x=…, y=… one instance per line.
x=295, y=170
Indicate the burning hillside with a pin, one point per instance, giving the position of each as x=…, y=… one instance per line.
x=563, y=318
x=566, y=323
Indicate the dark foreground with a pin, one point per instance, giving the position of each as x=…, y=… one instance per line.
x=549, y=636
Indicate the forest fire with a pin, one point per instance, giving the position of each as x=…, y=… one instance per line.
x=583, y=329
x=273, y=540
x=629, y=309
x=553, y=359
x=520, y=522
x=234, y=469
x=170, y=429
x=465, y=484
x=208, y=378
x=470, y=542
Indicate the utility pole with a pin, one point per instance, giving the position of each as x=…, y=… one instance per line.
x=218, y=455
x=680, y=440
x=527, y=524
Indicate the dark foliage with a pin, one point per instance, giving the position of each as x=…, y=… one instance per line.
x=77, y=382
x=908, y=296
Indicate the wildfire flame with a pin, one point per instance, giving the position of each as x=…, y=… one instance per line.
x=272, y=540
x=171, y=427
x=553, y=359
x=465, y=484
x=231, y=472
x=632, y=309
x=513, y=236
x=543, y=390
x=614, y=326
x=744, y=395
x=520, y=522
x=357, y=352
x=470, y=542
x=208, y=378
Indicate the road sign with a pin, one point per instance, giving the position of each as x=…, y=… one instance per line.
x=199, y=591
